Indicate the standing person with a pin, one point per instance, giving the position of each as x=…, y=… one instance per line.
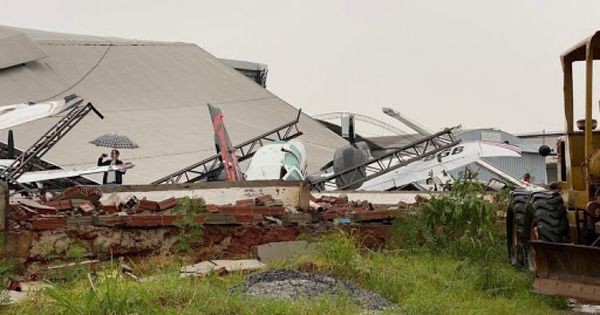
x=527, y=178
x=115, y=177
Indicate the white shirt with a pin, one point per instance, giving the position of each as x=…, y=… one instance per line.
x=111, y=177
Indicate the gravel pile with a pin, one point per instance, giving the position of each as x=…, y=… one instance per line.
x=288, y=284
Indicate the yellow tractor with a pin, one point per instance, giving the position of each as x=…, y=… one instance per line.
x=556, y=233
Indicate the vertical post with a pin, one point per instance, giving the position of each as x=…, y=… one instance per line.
x=568, y=93
x=348, y=132
x=4, y=195
x=589, y=61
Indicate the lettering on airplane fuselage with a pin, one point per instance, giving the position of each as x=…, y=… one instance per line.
x=445, y=153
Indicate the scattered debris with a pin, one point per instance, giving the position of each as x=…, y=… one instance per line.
x=221, y=266
x=91, y=263
x=25, y=289
x=340, y=210
x=288, y=284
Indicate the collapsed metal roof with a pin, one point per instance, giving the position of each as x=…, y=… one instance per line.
x=154, y=92
x=17, y=48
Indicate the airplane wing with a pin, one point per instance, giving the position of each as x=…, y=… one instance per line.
x=440, y=164
x=17, y=114
x=38, y=176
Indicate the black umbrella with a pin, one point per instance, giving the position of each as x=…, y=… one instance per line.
x=114, y=141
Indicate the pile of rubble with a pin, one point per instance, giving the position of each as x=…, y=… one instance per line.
x=344, y=211
x=293, y=285
x=82, y=206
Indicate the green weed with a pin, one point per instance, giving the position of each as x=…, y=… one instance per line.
x=190, y=232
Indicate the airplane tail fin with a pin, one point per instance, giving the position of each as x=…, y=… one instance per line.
x=10, y=151
x=223, y=145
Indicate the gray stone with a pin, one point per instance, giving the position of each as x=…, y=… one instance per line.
x=277, y=251
x=288, y=284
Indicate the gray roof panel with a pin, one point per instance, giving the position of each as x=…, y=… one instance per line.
x=17, y=48
x=156, y=95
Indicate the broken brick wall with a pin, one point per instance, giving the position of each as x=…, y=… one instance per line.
x=227, y=242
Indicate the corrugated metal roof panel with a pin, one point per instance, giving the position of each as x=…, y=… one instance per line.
x=156, y=95
x=17, y=48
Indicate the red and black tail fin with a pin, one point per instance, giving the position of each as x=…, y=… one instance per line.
x=223, y=145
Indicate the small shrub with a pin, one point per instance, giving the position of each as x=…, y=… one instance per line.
x=190, y=232
x=460, y=220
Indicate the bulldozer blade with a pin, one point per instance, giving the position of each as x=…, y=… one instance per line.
x=567, y=270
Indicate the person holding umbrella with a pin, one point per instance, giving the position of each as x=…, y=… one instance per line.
x=113, y=141
x=115, y=177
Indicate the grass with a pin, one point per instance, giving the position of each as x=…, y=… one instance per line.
x=167, y=293
x=418, y=280
x=440, y=262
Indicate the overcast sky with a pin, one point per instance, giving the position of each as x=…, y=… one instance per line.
x=477, y=63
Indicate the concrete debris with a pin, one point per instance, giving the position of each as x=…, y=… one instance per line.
x=24, y=290
x=89, y=263
x=126, y=268
x=278, y=251
x=340, y=210
x=294, y=285
x=221, y=266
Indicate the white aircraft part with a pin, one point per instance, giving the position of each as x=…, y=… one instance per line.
x=17, y=114
x=439, y=165
x=38, y=176
x=5, y=163
x=267, y=162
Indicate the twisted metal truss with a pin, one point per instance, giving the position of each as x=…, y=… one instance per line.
x=386, y=163
x=364, y=118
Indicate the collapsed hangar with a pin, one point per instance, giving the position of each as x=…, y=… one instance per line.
x=154, y=92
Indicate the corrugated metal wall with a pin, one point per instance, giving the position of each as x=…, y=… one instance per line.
x=529, y=162
x=533, y=164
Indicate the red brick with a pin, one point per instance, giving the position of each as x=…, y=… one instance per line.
x=167, y=203
x=270, y=211
x=110, y=220
x=60, y=204
x=235, y=210
x=48, y=223
x=82, y=193
x=109, y=209
x=86, y=208
x=248, y=219
x=149, y=205
x=157, y=220
x=245, y=202
x=212, y=208
x=376, y=215
x=152, y=220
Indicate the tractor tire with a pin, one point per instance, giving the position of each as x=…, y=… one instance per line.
x=546, y=221
x=515, y=230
